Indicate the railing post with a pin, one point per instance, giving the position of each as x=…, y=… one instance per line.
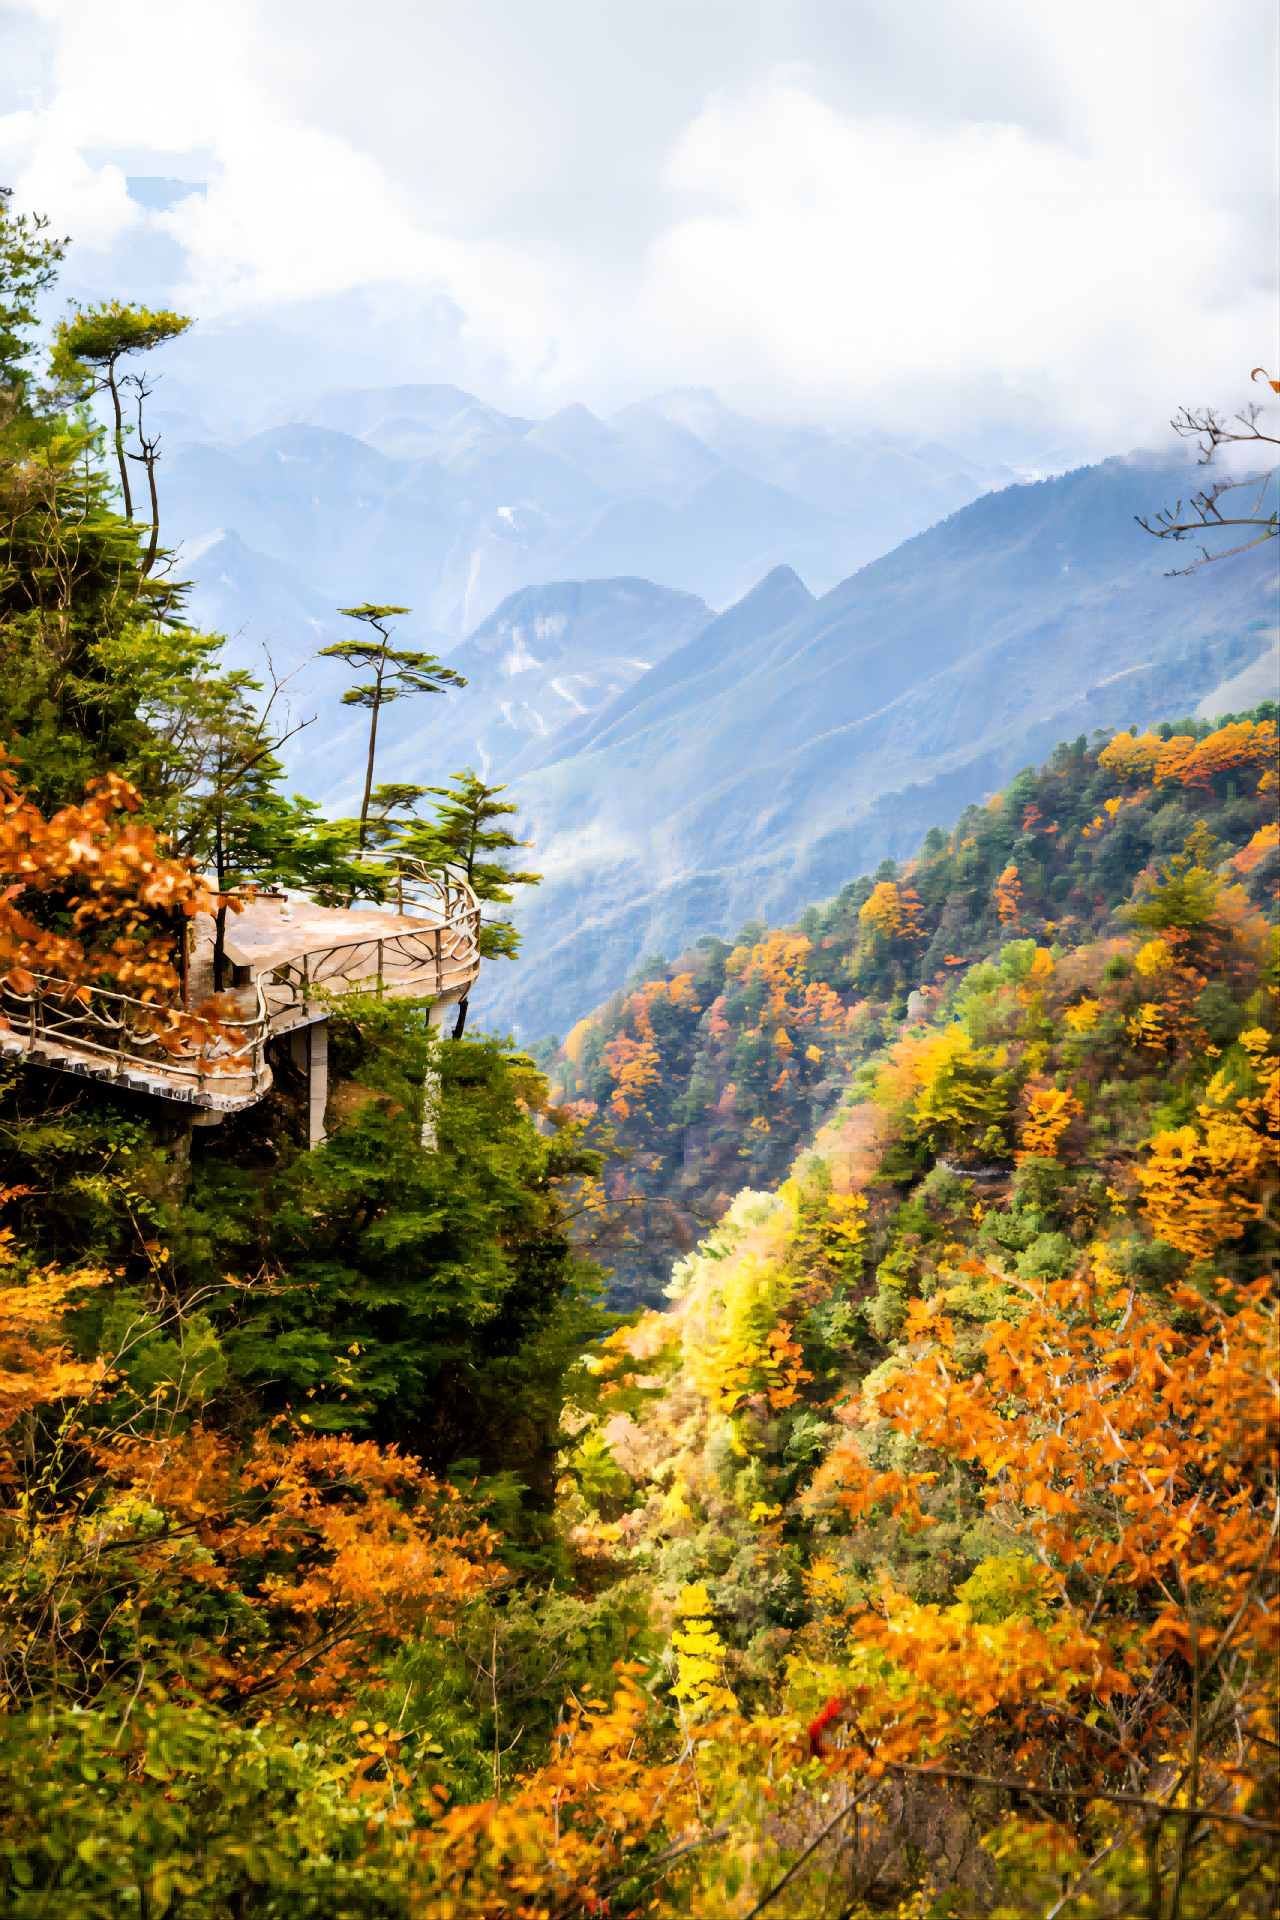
x=305, y=983
x=379, y=969
x=439, y=962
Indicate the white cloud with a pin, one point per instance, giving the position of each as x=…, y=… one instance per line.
x=48, y=172
x=934, y=266
x=948, y=214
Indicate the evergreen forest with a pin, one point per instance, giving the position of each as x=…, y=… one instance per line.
x=805, y=1444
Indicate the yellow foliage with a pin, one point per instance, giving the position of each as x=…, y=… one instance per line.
x=674, y=1504
x=1240, y=744
x=892, y=910
x=1147, y=1027
x=700, y=1653
x=1201, y=1185
x=954, y=1091
x=575, y=1045
x=1084, y=1017
x=1153, y=958
x=824, y=1583
x=35, y=1369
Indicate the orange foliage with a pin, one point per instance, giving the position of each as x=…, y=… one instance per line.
x=364, y=1545
x=1241, y=745
x=635, y=1065
x=728, y=1374
x=34, y=1366
x=567, y=1829
x=1137, y=1462
x=632, y=1057
x=1050, y=1112
x=127, y=903
x=335, y=1545
x=794, y=1006
x=893, y=911
x=118, y=886
x=1264, y=841
x=1008, y=895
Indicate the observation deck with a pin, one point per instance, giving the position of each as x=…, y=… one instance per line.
x=285, y=964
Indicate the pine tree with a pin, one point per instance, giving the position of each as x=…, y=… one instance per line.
x=396, y=675
x=458, y=841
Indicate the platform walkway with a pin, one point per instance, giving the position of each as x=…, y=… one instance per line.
x=287, y=962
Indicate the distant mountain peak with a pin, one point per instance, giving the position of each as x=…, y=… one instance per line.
x=783, y=580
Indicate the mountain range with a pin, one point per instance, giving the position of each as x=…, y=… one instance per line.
x=793, y=742
x=426, y=497
x=724, y=664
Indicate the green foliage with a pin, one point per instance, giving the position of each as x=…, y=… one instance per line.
x=1005, y=1587
x=463, y=839
x=179, y=1811
x=723, y=1113
x=171, y=1363
x=432, y=1296
x=600, y=1478
x=397, y=674
x=1184, y=894
x=29, y=260
x=963, y=1101
x=430, y=1299
x=87, y=351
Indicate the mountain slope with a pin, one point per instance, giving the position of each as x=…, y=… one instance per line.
x=539, y=669
x=825, y=736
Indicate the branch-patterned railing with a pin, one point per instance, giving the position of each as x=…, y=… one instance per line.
x=431, y=960
x=54, y=1019
x=86, y=1028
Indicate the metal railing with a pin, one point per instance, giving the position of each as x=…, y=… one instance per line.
x=54, y=1020
x=431, y=960
x=79, y=1027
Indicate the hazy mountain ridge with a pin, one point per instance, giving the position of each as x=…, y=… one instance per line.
x=539, y=671
x=790, y=745
x=426, y=496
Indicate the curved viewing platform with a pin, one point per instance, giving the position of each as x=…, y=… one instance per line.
x=284, y=964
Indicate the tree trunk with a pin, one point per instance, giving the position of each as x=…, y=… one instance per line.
x=124, y=470
x=373, y=737
x=462, y=1018
x=149, y=456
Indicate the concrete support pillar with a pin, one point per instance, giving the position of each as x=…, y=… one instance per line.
x=319, y=1080
x=438, y=1017
x=309, y=1051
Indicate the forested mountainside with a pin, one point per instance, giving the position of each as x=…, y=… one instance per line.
x=716, y=1068
x=918, y=1557
x=793, y=743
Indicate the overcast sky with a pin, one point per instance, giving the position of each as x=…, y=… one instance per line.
x=971, y=217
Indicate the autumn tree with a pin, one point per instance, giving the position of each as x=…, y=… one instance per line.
x=90, y=897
